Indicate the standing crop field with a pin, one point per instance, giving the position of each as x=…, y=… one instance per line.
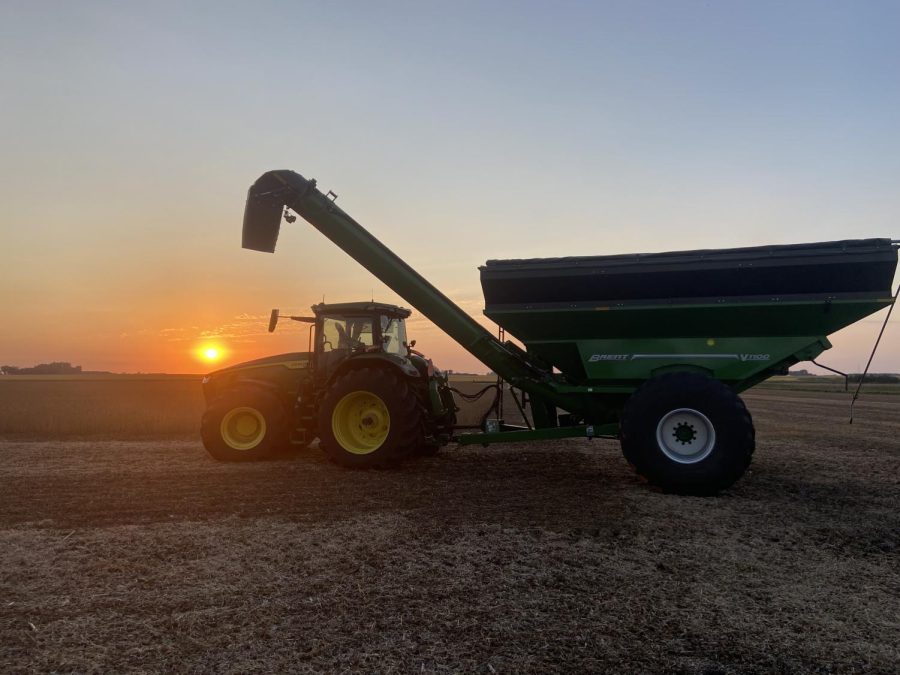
x=143, y=554
x=124, y=406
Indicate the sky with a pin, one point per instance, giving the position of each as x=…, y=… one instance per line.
x=455, y=132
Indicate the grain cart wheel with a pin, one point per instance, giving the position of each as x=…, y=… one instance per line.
x=687, y=434
x=369, y=418
x=243, y=425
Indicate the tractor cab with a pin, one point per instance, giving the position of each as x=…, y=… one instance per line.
x=357, y=330
x=361, y=326
x=351, y=329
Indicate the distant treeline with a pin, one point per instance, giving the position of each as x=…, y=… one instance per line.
x=874, y=378
x=55, y=368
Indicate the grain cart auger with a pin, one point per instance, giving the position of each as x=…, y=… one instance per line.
x=652, y=349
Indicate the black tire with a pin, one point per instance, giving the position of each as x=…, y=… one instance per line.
x=687, y=434
x=370, y=418
x=243, y=425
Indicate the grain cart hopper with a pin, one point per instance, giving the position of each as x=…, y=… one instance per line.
x=651, y=349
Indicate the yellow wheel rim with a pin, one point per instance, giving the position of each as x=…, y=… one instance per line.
x=243, y=428
x=360, y=422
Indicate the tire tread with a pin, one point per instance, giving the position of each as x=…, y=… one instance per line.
x=668, y=475
x=407, y=427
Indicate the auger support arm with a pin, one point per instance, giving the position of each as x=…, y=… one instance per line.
x=276, y=191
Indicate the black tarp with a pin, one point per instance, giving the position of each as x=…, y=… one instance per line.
x=857, y=266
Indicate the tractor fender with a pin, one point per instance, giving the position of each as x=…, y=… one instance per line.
x=377, y=360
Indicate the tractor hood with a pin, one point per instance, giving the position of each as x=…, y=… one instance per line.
x=281, y=373
x=290, y=360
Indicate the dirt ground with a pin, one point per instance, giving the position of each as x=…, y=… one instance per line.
x=148, y=556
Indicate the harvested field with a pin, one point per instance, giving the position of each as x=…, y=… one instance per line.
x=147, y=555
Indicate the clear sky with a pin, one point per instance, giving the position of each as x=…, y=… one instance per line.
x=455, y=131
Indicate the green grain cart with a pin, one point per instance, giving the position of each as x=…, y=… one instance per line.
x=651, y=349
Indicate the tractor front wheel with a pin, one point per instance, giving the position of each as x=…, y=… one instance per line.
x=687, y=434
x=244, y=424
x=370, y=418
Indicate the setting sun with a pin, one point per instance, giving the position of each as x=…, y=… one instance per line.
x=210, y=353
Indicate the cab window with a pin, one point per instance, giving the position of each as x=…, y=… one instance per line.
x=393, y=335
x=346, y=333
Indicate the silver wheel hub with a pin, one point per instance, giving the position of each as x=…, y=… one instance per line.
x=685, y=436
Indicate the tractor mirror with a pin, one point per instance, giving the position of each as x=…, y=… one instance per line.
x=273, y=320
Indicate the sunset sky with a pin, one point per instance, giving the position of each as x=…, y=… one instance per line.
x=456, y=132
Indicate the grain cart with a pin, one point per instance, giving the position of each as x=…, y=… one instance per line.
x=651, y=349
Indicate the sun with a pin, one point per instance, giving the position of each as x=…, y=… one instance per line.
x=211, y=353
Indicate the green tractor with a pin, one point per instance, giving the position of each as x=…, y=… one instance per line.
x=361, y=389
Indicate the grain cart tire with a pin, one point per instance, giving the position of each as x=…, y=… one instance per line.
x=370, y=418
x=687, y=434
x=244, y=424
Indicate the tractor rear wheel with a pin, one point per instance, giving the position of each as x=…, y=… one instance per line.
x=687, y=434
x=370, y=418
x=244, y=424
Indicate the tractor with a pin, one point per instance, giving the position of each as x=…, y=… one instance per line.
x=360, y=388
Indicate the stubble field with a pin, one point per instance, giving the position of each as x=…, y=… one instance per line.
x=134, y=551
